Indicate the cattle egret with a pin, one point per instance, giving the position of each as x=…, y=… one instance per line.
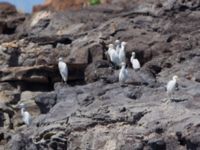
x=118, y=46
x=63, y=69
x=171, y=86
x=26, y=117
x=113, y=55
x=123, y=73
x=122, y=54
x=134, y=61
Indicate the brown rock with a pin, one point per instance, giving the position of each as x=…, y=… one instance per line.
x=63, y=5
x=7, y=9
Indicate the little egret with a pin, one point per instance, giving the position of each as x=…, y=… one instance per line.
x=123, y=73
x=134, y=61
x=26, y=117
x=122, y=54
x=113, y=55
x=63, y=69
x=118, y=46
x=171, y=85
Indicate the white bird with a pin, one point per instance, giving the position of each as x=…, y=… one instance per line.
x=134, y=61
x=171, y=85
x=26, y=117
x=118, y=46
x=63, y=69
x=122, y=54
x=123, y=73
x=113, y=55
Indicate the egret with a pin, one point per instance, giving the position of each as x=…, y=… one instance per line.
x=122, y=55
x=63, y=69
x=26, y=117
x=118, y=46
x=123, y=73
x=134, y=61
x=113, y=55
x=171, y=85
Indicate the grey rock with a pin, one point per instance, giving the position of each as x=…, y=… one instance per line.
x=94, y=111
x=45, y=101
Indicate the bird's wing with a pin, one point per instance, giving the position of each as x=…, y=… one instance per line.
x=171, y=85
x=118, y=48
x=26, y=113
x=168, y=84
x=116, y=59
x=122, y=52
x=131, y=60
x=27, y=117
x=136, y=63
x=126, y=72
x=62, y=66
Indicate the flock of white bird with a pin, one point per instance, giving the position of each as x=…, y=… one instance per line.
x=117, y=56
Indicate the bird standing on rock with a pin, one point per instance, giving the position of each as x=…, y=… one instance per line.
x=113, y=55
x=26, y=117
x=118, y=46
x=122, y=54
x=123, y=73
x=63, y=69
x=134, y=61
x=171, y=85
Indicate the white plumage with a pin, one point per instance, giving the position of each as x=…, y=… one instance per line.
x=123, y=73
x=118, y=46
x=122, y=54
x=63, y=69
x=134, y=61
x=26, y=117
x=171, y=85
x=113, y=55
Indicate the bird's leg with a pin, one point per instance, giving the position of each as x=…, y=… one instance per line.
x=65, y=83
x=172, y=97
x=122, y=83
x=169, y=96
x=137, y=70
x=114, y=66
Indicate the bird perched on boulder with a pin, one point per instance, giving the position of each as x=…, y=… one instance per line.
x=122, y=54
x=134, y=61
x=123, y=73
x=63, y=69
x=113, y=55
x=118, y=46
x=26, y=117
x=171, y=85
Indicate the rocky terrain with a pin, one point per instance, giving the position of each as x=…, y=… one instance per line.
x=94, y=111
x=61, y=5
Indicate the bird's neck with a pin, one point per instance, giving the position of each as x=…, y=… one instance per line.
x=110, y=49
x=123, y=67
x=122, y=46
x=22, y=111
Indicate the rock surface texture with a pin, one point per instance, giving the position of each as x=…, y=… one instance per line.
x=94, y=111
